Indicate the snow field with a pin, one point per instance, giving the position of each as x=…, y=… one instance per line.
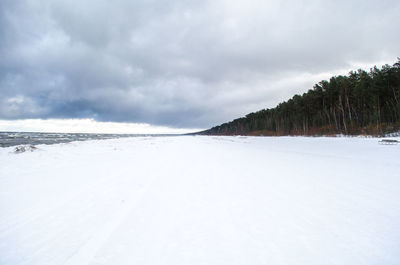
x=202, y=200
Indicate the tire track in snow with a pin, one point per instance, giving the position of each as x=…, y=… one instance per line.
x=35, y=214
x=86, y=252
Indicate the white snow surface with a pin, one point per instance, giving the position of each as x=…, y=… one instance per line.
x=202, y=200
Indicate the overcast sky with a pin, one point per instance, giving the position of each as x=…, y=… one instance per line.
x=180, y=64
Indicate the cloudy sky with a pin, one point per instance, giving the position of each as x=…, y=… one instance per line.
x=171, y=64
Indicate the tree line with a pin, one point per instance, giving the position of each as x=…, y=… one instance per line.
x=360, y=103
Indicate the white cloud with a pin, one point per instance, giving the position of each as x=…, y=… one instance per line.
x=86, y=126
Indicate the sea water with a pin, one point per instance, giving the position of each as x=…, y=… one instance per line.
x=34, y=138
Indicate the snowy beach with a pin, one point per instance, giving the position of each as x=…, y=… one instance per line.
x=202, y=200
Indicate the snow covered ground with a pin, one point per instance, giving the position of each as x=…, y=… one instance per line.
x=202, y=200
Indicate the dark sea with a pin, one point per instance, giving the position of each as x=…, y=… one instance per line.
x=34, y=138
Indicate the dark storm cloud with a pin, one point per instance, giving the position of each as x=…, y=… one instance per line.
x=179, y=63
